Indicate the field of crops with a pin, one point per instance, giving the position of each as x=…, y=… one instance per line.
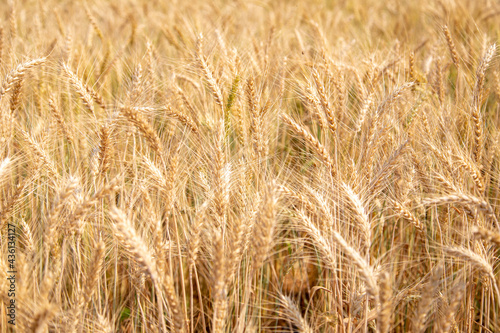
x=249, y=166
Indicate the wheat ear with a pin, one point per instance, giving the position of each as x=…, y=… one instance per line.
x=60, y=119
x=41, y=155
x=207, y=72
x=41, y=318
x=385, y=304
x=487, y=235
x=184, y=119
x=313, y=100
x=140, y=253
x=15, y=98
x=426, y=299
x=265, y=228
x=476, y=260
x=464, y=199
x=57, y=206
x=256, y=122
x=443, y=326
x=4, y=166
x=408, y=215
x=361, y=215
x=80, y=88
x=17, y=74
x=476, y=103
x=451, y=46
x=104, y=149
x=325, y=103
x=330, y=258
x=220, y=271
x=93, y=273
x=293, y=313
x=134, y=116
x=93, y=22
x=311, y=140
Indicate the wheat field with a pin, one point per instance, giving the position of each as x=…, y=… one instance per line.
x=249, y=166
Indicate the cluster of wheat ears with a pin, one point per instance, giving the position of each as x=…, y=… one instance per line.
x=250, y=166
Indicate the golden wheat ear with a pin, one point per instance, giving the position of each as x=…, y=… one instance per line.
x=19, y=72
x=486, y=235
x=312, y=141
